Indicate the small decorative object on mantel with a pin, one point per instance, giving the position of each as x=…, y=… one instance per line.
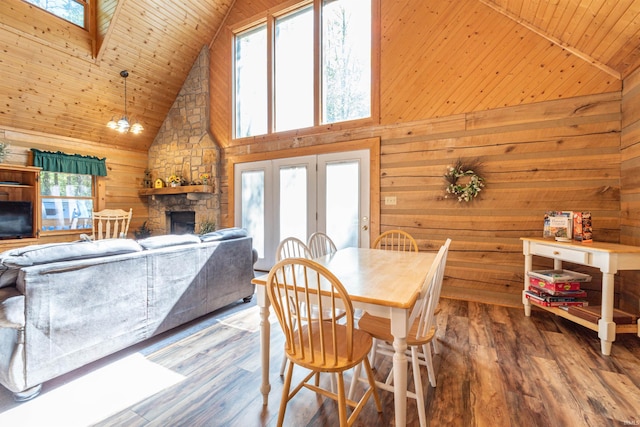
x=147, y=179
x=4, y=150
x=205, y=178
x=158, y=183
x=174, y=180
x=464, y=181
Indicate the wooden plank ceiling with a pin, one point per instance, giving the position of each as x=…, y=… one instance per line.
x=51, y=82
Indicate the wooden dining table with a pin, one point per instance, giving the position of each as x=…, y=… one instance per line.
x=383, y=283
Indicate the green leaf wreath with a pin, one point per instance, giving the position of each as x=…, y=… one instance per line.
x=469, y=187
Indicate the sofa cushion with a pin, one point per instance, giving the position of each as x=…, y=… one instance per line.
x=11, y=308
x=224, y=234
x=43, y=254
x=156, y=242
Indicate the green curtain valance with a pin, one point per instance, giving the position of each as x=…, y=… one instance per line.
x=69, y=163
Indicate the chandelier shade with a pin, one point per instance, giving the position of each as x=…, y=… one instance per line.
x=124, y=125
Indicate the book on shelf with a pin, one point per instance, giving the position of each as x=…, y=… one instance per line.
x=559, y=276
x=551, y=287
x=558, y=224
x=544, y=291
x=544, y=303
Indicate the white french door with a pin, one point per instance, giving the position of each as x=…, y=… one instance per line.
x=300, y=195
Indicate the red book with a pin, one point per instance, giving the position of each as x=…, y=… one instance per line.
x=576, y=293
x=554, y=287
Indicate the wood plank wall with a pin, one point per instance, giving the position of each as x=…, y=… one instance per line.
x=118, y=190
x=554, y=155
x=460, y=81
x=630, y=186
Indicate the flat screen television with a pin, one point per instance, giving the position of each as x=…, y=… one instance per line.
x=16, y=219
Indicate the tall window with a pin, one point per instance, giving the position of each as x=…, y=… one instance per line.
x=67, y=200
x=73, y=11
x=304, y=76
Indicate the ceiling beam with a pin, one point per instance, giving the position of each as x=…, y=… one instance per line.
x=603, y=67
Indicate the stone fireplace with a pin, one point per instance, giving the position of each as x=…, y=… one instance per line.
x=184, y=146
x=182, y=222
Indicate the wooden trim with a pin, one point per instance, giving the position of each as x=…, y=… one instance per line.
x=371, y=144
x=586, y=57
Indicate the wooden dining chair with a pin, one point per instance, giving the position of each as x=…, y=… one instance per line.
x=421, y=333
x=393, y=240
x=111, y=224
x=333, y=345
x=396, y=240
x=292, y=247
x=320, y=245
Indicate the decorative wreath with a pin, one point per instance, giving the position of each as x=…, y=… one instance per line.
x=469, y=188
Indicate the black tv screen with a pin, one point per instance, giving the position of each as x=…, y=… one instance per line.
x=16, y=219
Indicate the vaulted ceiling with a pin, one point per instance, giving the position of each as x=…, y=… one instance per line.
x=54, y=79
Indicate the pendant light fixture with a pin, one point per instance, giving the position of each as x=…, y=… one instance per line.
x=123, y=125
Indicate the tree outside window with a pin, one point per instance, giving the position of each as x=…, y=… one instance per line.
x=345, y=69
x=70, y=10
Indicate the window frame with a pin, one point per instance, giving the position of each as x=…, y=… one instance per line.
x=87, y=6
x=269, y=17
x=42, y=198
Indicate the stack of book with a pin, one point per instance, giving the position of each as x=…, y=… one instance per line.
x=557, y=288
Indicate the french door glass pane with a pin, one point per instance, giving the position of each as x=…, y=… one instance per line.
x=293, y=202
x=251, y=82
x=346, y=60
x=343, y=198
x=253, y=213
x=294, y=70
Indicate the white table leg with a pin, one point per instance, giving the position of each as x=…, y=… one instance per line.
x=265, y=340
x=528, y=266
x=399, y=319
x=606, y=327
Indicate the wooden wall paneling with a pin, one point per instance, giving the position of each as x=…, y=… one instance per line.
x=119, y=189
x=630, y=186
x=31, y=22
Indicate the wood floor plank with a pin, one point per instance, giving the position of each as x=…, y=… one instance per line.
x=496, y=367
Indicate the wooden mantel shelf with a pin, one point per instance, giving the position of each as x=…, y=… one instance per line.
x=193, y=192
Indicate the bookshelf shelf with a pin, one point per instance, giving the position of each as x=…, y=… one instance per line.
x=609, y=258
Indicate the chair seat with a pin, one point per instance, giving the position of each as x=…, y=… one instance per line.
x=380, y=328
x=362, y=343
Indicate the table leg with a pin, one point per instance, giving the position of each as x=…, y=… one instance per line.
x=528, y=266
x=606, y=326
x=399, y=319
x=265, y=341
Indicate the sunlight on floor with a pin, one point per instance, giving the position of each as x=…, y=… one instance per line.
x=94, y=396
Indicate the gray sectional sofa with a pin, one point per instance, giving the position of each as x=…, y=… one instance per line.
x=65, y=305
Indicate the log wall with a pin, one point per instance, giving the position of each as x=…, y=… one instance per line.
x=458, y=80
x=630, y=186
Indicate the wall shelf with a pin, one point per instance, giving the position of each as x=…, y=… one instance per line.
x=193, y=192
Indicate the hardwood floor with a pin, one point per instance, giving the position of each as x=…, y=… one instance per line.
x=495, y=368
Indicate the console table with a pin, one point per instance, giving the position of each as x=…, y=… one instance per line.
x=608, y=257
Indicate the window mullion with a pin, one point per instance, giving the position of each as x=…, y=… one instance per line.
x=317, y=62
x=270, y=73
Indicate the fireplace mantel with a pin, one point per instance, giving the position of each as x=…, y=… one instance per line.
x=193, y=192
